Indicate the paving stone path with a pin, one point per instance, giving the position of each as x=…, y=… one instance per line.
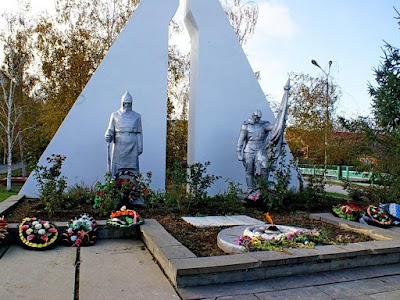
x=378, y=282
x=111, y=269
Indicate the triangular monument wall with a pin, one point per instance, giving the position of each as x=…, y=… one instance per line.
x=224, y=92
x=138, y=62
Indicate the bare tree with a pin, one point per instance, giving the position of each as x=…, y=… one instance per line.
x=243, y=17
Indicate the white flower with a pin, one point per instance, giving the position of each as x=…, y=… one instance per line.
x=73, y=238
x=29, y=231
x=46, y=225
x=42, y=231
x=38, y=226
x=35, y=222
x=123, y=208
x=70, y=230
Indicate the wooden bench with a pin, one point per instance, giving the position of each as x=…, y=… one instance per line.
x=3, y=181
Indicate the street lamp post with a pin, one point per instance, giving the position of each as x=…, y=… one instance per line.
x=314, y=62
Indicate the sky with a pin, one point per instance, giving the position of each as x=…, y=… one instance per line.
x=290, y=33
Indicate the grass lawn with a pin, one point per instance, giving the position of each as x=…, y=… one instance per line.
x=4, y=194
x=337, y=195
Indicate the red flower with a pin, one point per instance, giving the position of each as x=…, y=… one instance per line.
x=45, y=238
x=77, y=242
x=52, y=230
x=25, y=227
x=30, y=237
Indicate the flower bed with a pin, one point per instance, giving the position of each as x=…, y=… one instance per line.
x=296, y=239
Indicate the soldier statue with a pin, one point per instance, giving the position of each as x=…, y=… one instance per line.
x=125, y=133
x=252, y=135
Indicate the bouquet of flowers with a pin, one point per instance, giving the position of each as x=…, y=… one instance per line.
x=3, y=229
x=348, y=211
x=37, y=234
x=124, y=218
x=80, y=231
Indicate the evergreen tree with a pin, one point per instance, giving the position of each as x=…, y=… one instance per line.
x=386, y=95
x=386, y=111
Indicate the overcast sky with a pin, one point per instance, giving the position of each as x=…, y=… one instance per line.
x=290, y=33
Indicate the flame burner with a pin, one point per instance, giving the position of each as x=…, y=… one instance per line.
x=273, y=228
x=268, y=231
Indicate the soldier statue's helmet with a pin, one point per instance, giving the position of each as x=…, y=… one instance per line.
x=126, y=98
x=257, y=113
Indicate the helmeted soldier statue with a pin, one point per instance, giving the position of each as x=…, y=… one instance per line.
x=125, y=132
x=252, y=135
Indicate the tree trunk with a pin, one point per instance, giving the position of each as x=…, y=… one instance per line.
x=21, y=151
x=9, y=168
x=9, y=136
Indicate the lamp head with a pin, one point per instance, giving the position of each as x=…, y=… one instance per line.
x=314, y=62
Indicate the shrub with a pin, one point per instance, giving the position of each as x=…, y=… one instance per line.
x=51, y=183
x=113, y=194
x=79, y=194
x=189, y=184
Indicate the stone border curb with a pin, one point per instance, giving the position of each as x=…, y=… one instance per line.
x=9, y=203
x=184, y=269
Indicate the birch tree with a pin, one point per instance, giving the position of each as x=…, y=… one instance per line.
x=15, y=41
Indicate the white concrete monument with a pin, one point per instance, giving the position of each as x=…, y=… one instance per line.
x=138, y=62
x=224, y=91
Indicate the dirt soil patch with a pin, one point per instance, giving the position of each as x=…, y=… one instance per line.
x=201, y=241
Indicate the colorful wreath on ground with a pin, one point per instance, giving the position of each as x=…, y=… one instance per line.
x=37, y=234
x=124, y=218
x=80, y=231
x=378, y=216
x=3, y=230
x=348, y=211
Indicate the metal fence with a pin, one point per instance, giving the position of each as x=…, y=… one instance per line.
x=337, y=172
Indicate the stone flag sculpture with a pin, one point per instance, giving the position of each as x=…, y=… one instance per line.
x=273, y=149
